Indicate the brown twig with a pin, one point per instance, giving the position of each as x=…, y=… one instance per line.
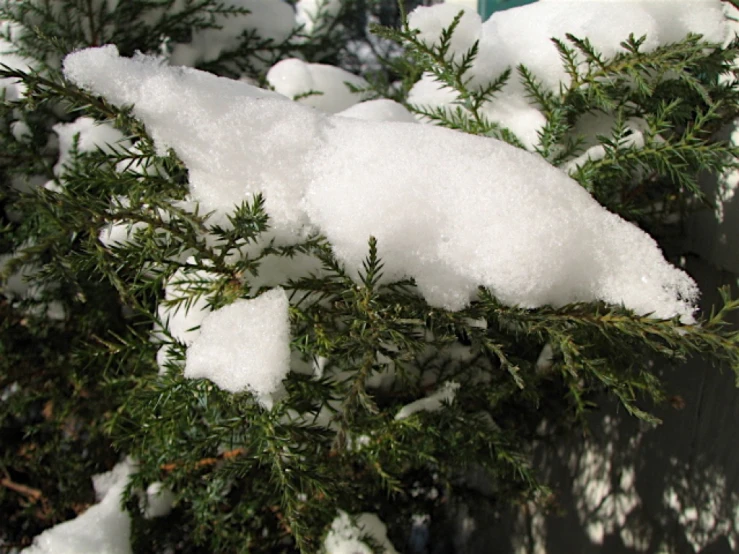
x=33, y=494
x=206, y=462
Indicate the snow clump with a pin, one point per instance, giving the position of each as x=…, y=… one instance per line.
x=346, y=533
x=102, y=529
x=12, y=89
x=432, y=403
x=522, y=36
x=314, y=15
x=452, y=211
x=86, y=136
x=381, y=109
x=244, y=346
x=313, y=84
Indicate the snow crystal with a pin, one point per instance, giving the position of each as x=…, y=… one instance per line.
x=314, y=84
x=345, y=535
x=89, y=134
x=451, y=210
x=244, y=346
x=381, y=109
x=103, y=529
x=431, y=403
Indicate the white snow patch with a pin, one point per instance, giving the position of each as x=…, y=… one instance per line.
x=316, y=15
x=12, y=89
x=244, y=346
x=120, y=233
x=345, y=535
x=158, y=500
x=89, y=134
x=451, y=210
x=103, y=529
x=185, y=308
x=381, y=109
x=431, y=403
x=317, y=85
x=22, y=284
x=431, y=21
x=522, y=36
x=20, y=130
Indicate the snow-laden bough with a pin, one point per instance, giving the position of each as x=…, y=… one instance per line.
x=450, y=210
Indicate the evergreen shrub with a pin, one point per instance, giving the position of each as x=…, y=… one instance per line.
x=110, y=263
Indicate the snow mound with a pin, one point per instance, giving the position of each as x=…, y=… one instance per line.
x=346, y=534
x=88, y=136
x=314, y=15
x=314, y=84
x=244, y=346
x=451, y=210
x=103, y=529
x=381, y=109
x=432, y=403
x=523, y=36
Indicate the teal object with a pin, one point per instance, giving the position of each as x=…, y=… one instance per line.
x=487, y=7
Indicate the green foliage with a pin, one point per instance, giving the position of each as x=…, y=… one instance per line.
x=680, y=94
x=251, y=479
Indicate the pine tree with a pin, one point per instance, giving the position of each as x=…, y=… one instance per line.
x=390, y=398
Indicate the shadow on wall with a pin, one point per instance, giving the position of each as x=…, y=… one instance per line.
x=633, y=488
x=630, y=487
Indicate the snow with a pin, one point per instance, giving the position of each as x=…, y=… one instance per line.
x=158, y=500
x=313, y=84
x=431, y=403
x=271, y=20
x=345, y=535
x=22, y=284
x=103, y=529
x=315, y=15
x=511, y=111
x=20, y=131
x=11, y=88
x=184, y=308
x=431, y=21
x=451, y=210
x=381, y=109
x=120, y=233
x=89, y=136
x=244, y=346
x=522, y=36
